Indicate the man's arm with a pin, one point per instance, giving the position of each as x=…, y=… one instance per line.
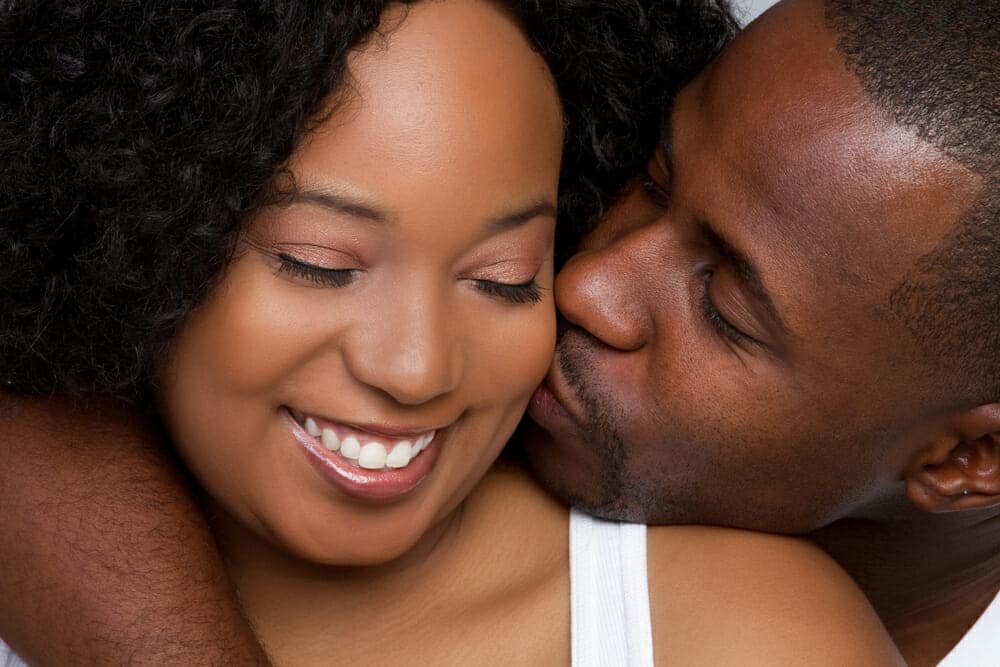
x=106, y=559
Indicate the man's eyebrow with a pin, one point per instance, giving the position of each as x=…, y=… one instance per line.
x=747, y=272
x=518, y=218
x=666, y=146
x=337, y=202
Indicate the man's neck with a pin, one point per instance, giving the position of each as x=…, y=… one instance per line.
x=928, y=577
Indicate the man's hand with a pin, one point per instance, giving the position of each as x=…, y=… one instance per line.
x=106, y=559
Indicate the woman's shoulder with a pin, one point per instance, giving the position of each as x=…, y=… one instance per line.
x=508, y=488
x=724, y=596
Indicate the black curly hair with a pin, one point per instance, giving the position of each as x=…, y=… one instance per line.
x=137, y=135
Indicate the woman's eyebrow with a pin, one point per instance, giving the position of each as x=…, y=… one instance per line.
x=345, y=203
x=338, y=202
x=518, y=218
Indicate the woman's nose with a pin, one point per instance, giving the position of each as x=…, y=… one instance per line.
x=409, y=352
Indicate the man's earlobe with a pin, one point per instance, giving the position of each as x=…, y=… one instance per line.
x=961, y=468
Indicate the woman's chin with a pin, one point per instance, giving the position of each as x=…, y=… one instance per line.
x=344, y=543
x=358, y=549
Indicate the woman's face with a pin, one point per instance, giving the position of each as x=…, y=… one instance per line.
x=399, y=305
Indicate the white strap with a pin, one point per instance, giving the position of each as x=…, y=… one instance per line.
x=980, y=647
x=8, y=658
x=609, y=593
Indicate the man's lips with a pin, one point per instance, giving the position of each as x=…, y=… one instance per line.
x=548, y=405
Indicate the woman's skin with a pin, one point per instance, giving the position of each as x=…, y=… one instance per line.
x=427, y=198
x=403, y=290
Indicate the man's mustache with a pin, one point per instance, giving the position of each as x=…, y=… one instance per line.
x=574, y=347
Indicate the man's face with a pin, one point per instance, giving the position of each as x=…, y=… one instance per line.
x=730, y=354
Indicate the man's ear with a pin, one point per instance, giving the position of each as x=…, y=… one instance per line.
x=960, y=470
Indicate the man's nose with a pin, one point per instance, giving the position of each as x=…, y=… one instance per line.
x=409, y=352
x=602, y=289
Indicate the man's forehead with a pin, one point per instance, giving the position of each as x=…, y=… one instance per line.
x=777, y=148
x=783, y=110
x=778, y=140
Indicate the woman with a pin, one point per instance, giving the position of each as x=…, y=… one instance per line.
x=352, y=317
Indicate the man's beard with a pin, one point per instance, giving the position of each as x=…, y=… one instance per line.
x=608, y=494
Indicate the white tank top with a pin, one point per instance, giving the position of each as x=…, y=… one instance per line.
x=8, y=659
x=980, y=647
x=609, y=593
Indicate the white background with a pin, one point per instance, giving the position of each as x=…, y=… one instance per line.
x=748, y=10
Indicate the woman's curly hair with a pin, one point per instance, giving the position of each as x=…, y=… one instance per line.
x=137, y=135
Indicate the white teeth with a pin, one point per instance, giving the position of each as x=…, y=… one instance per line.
x=423, y=441
x=400, y=455
x=330, y=440
x=350, y=448
x=372, y=456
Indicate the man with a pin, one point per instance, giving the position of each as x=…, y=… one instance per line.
x=799, y=331
x=793, y=325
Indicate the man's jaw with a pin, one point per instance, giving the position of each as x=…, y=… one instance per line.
x=573, y=448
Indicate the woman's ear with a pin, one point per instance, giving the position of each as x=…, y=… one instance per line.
x=960, y=470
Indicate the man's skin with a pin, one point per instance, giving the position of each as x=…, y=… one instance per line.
x=826, y=420
x=831, y=422
x=106, y=557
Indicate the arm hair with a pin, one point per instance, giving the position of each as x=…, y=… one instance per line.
x=106, y=557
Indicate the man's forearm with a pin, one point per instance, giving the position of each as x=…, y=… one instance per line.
x=105, y=556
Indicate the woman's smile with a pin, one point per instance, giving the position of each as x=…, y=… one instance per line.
x=370, y=448
x=388, y=313
x=365, y=464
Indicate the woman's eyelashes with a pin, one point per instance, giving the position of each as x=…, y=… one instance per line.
x=292, y=266
x=521, y=293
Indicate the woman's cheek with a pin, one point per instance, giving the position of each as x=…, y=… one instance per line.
x=522, y=352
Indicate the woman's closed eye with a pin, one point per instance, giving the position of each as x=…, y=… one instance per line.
x=520, y=293
x=309, y=262
x=528, y=292
x=323, y=276
x=513, y=279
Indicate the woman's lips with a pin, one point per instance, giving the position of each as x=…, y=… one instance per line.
x=363, y=465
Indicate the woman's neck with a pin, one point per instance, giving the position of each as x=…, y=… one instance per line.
x=302, y=610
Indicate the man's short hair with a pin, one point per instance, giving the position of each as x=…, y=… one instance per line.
x=934, y=66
